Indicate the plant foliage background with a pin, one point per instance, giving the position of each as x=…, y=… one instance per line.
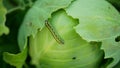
x=12, y=14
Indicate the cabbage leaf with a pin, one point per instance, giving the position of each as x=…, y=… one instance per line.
x=98, y=23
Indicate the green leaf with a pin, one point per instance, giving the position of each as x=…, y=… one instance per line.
x=3, y=28
x=6, y=48
x=16, y=60
x=98, y=23
x=94, y=24
x=13, y=5
x=10, y=5
x=36, y=16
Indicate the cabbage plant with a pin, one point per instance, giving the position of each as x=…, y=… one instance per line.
x=69, y=34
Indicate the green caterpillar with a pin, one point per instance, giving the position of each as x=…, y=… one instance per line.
x=54, y=32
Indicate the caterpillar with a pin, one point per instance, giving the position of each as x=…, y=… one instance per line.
x=54, y=33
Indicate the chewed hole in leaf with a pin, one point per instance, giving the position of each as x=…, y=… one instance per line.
x=74, y=58
x=117, y=39
x=96, y=43
x=106, y=62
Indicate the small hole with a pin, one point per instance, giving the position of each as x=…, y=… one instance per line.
x=117, y=39
x=106, y=62
x=39, y=29
x=93, y=42
x=74, y=58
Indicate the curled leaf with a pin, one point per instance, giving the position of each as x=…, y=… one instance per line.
x=3, y=28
